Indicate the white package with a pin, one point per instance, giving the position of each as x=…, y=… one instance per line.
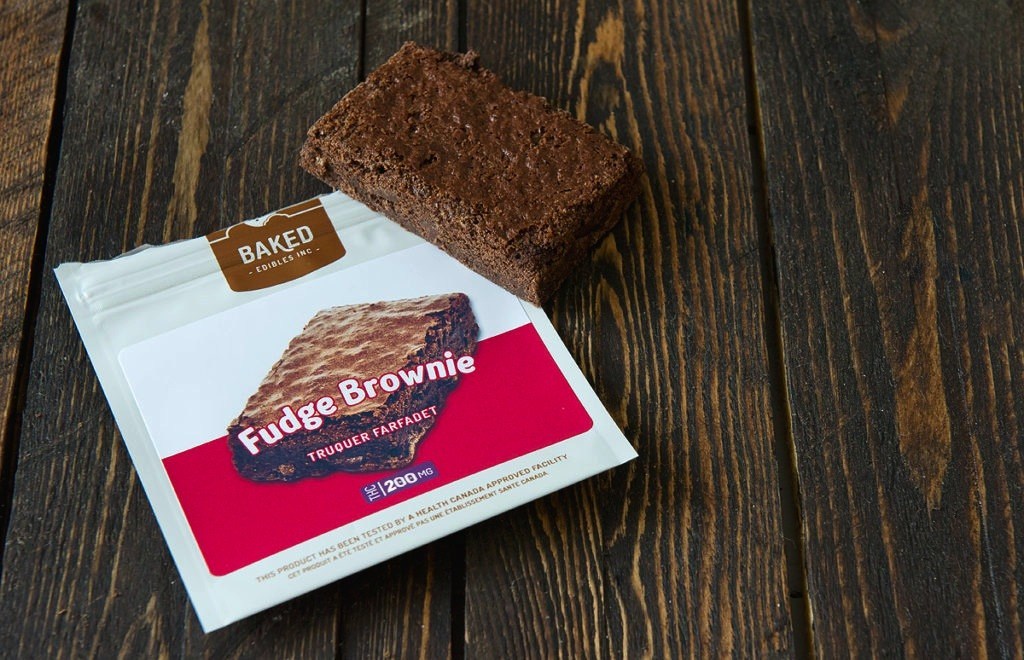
x=189, y=338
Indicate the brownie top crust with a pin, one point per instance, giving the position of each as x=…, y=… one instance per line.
x=352, y=341
x=467, y=141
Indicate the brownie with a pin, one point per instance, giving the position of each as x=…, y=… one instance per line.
x=510, y=186
x=361, y=342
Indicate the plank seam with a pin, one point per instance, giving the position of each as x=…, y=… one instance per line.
x=361, y=65
x=463, y=26
x=457, y=637
x=12, y=430
x=784, y=445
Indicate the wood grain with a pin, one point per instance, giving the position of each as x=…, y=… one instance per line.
x=31, y=40
x=391, y=23
x=179, y=118
x=681, y=552
x=893, y=144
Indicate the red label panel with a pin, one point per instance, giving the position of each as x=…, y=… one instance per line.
x=516, y=402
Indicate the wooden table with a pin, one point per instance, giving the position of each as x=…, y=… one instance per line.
x=811, y=326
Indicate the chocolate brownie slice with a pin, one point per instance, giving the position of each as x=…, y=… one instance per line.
x=515, y=189
x=380, y=432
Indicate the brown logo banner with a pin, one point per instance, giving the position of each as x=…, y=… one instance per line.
x=290, y=243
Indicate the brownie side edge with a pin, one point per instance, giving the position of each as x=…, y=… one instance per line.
x=443, y=220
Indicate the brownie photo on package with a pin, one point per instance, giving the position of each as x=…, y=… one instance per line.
x=357, y=390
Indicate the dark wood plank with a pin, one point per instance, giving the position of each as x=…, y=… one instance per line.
x=31, y=41
x=390, y=23
x=681, y=552
x=403, y=608
x=180, y=117
x=894, y=150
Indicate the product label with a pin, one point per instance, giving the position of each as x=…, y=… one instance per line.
x=288, y=244
x=352, y=392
